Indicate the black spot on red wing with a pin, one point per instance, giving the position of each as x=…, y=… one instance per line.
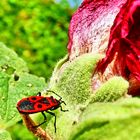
x=39, y=105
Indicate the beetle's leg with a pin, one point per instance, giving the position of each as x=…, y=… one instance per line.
x=45, y=119
x=63, y=109
x=63, y=102
x=53, y=114
x=39, y=94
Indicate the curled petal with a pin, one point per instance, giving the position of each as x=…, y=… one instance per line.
x=90, y=26
x=124, y=43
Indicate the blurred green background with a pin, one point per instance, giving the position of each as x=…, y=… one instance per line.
x=37, y=30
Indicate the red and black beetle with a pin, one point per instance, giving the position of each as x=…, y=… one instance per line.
x=35, y=104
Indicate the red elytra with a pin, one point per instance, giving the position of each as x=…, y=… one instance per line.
x=35, y=104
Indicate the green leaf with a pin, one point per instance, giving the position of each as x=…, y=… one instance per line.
x=4, y=135
x=14, y=85
x=109, y=121
x=113, y=89
x=73, y=81
x=23, y=134
x=27, y=85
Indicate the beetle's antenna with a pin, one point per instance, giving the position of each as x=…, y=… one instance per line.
x=54, y=93
x=63, y=109
x=47, y=90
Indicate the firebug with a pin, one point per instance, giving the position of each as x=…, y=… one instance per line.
x=35, y=104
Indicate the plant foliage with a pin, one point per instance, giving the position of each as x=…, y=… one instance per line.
x=36, y=30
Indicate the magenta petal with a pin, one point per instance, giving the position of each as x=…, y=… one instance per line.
x=90, y=26
x=124, y=42
x=89, y=30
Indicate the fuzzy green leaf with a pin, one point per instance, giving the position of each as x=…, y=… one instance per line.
x=73, y=83
x=74, y=80
x=113, y=89
x=109, y=121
